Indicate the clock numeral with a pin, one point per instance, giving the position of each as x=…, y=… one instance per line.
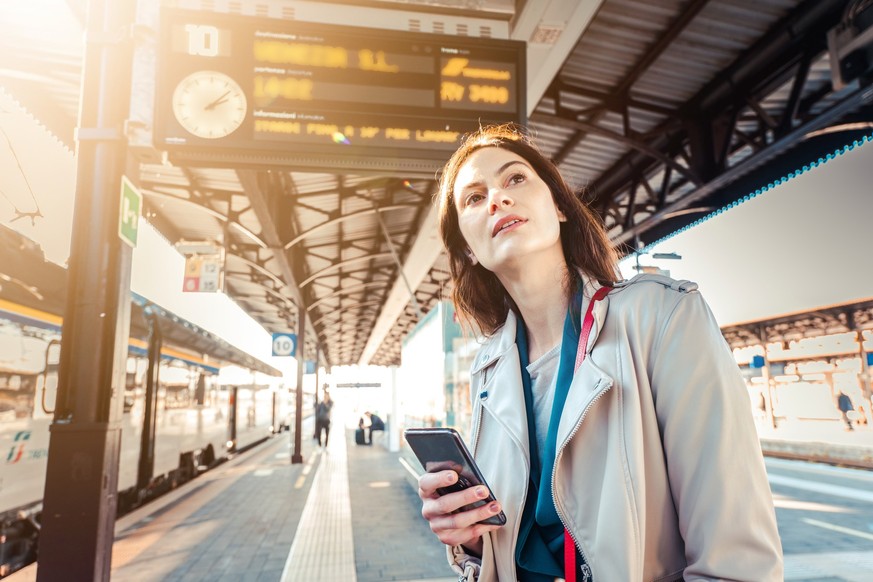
x=202, y=40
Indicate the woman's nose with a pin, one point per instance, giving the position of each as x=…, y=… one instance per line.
x=497, y=199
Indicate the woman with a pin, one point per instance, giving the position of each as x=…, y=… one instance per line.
x=641, y=462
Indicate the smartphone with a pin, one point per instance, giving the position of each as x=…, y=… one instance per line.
x=439, y=449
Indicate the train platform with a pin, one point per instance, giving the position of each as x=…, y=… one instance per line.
x=348, y=513
x=825, y=441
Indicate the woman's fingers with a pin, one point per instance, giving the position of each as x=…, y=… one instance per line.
x=430, y=482
x=463, y=527
x=451, y=526
x=443, y=505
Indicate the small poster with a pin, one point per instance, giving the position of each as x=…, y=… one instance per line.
x=202, y=274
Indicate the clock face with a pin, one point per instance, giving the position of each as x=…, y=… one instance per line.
x=209, y=104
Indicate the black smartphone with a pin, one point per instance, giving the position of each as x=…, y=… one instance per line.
x=439, y=449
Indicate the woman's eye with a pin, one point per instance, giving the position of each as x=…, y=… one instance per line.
x=473, y=199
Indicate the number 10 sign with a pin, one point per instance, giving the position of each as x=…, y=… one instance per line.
x=284, y=344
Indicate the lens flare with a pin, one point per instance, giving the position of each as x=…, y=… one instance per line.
x=339, y=137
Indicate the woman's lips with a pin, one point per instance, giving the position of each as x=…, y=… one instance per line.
x=507, y=223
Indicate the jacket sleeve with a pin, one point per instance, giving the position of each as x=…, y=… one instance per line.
x=714, y=461
x=466, y=565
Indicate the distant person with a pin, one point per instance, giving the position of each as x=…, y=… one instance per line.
x=761, y=409
x=322, y=418
x=370, y=422
x=608, y=416
x=844, y=403
x=315, y=429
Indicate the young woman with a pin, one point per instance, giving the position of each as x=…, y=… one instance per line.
x=609, y=418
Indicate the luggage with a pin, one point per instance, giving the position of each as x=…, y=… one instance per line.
x=359, y=437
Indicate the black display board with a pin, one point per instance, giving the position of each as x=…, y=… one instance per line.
x=234, y=88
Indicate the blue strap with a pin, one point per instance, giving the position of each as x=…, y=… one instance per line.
x=540, y=540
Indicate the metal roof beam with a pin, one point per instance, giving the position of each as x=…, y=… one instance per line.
x=423, y=254
x=343, y=218
x=333, y=267
x=569, y=18
x=639, y=68
x=851, y=103
x=269, y=232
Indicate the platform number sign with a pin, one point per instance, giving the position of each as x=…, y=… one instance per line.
x=202, y=40
x=284, y=344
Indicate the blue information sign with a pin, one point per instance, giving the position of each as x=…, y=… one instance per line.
x=284, y=344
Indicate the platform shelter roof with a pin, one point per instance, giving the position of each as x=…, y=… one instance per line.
x=662, y=112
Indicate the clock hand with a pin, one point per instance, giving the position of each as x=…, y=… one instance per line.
x=217, y=102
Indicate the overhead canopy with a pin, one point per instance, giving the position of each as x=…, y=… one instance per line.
x=664, y=110
x=827, y=320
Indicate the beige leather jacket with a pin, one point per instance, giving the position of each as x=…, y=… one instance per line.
x=659, y=473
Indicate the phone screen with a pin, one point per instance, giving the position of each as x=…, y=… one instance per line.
x=439, y=449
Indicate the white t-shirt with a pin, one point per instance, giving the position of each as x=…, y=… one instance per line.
x=543, y=376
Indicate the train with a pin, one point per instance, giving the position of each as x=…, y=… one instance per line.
x=180, y=417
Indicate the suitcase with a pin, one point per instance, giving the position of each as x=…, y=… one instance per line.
x=359, y=437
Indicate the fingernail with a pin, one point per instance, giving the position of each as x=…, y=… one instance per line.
x=494, y=507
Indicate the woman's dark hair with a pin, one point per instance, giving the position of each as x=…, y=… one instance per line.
x=478, y=295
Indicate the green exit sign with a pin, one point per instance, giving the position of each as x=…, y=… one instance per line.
x=129, y=212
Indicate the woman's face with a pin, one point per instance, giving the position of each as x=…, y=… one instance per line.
x=506, y=212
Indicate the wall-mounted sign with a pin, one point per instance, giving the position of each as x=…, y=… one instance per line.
x=284, y=344
x=129, y=212
x=202, y=274
x=232, y=87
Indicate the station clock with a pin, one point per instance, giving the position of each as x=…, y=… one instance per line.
x=209, y=104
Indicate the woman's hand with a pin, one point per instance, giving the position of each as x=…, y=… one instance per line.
x=455, y=528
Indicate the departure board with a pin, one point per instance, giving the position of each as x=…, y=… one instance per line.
x=293, y=90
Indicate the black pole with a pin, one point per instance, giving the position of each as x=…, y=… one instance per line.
x=78, y=518
x=297, y=456
x=315, y=403
x=146, y=467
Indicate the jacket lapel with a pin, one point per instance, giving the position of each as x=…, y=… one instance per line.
x=501, y=391
x=589, y=381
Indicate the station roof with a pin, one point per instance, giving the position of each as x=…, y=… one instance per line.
x=664, y=111
x=856, y=316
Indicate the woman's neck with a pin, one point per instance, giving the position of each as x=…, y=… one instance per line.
x=541, y=297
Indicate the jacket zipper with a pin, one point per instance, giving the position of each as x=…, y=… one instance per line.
x=586, y=573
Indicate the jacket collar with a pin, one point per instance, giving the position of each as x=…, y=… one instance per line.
x=504, y=338
x=501, y=389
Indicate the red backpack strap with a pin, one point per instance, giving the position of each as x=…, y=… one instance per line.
x=587, y=324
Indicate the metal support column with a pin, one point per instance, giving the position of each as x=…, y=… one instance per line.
x=768, y=382
x=146, y=468
x=317, y=360
x=297, y=456
x=864, y=376
x=394, y=424
x=315, y=403
x=78, y=518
